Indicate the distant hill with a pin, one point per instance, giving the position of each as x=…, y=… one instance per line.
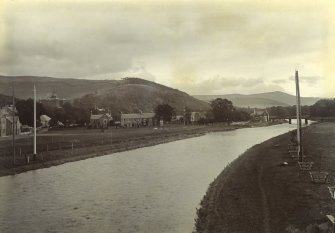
x=127, y=95
x=261, y=100
x=65, y=88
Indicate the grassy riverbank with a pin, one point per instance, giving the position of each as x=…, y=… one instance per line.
x=58, y=147
x=256, y=194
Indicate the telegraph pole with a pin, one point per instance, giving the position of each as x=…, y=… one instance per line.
x=13, y=125
x=34, y=156
x=299, y=138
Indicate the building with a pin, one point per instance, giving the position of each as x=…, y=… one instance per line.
x=100, y=121
x=196, y=116
x=6, y=121
x=53, y=101
x=45, y=121
x=9, y=125
x=137, y=119
x=260, y=115
x=2, y=125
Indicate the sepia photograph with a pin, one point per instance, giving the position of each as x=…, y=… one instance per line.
x=167, y=116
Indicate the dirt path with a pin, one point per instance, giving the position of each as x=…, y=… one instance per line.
x=265, y=208
x=274, y=198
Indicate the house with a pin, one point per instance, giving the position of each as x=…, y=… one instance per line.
x=178, y=119
x=9, y=125
x=2, y=124
x=260, y=115
x=6, y=121
x=45, y=121
x=137, y=119
x=100, y=121
x=196, y=116
x=53, y=101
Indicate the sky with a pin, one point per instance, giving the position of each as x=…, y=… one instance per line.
x=200, y=47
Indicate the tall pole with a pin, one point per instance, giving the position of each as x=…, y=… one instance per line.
x=34, y=156
x=298, y=107
x=13, y=125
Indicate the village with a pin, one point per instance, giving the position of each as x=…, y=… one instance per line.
x=167, y=116
x=103, y=119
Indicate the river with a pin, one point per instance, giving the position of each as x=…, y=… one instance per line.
x=152, y=189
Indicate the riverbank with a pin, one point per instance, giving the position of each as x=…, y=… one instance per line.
x=255, y=193
x=58, y=147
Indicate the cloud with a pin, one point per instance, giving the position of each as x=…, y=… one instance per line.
x=310, y=80
x=176, y=43
x=225, y=85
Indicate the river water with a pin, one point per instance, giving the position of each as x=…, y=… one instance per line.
x=151, y=190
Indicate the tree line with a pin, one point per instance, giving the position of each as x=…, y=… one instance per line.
x=67, y=115
x=322, y=108
x=221, y=110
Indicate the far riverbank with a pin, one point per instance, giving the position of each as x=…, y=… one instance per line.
x=255, y=193
x=58, y=147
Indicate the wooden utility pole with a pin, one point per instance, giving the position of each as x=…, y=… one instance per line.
x=298, y=109
x=34, y=156
x=13, y=125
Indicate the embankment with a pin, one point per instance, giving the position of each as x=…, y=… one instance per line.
x=255, y=193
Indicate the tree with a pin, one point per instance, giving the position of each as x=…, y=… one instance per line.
x=25, y=110
x=222, y=110
x=164, y=112
x=240, y=115
x=323, y=108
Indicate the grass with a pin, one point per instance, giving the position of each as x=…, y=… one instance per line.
x=291, y=202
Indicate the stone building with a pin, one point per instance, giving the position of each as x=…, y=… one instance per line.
x=137, y=119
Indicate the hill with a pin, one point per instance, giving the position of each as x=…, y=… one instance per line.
x=65, y=88
x=126, y=95
x=134, y=94
x=261, y=100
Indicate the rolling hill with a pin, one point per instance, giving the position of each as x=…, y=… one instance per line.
x=126, y=95
x=261, y=100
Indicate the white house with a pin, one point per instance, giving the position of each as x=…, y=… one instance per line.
x=45, y=121
x=260, y=115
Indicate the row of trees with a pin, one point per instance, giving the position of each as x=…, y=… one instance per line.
x=68, y=114
x=222, y=110
x=322, y=108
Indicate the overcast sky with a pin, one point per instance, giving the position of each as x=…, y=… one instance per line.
x=199, y=47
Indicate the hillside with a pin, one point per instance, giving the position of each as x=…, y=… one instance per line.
x=65, y=88
x=133, y=94
x=261, y=100
x=126, y=95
